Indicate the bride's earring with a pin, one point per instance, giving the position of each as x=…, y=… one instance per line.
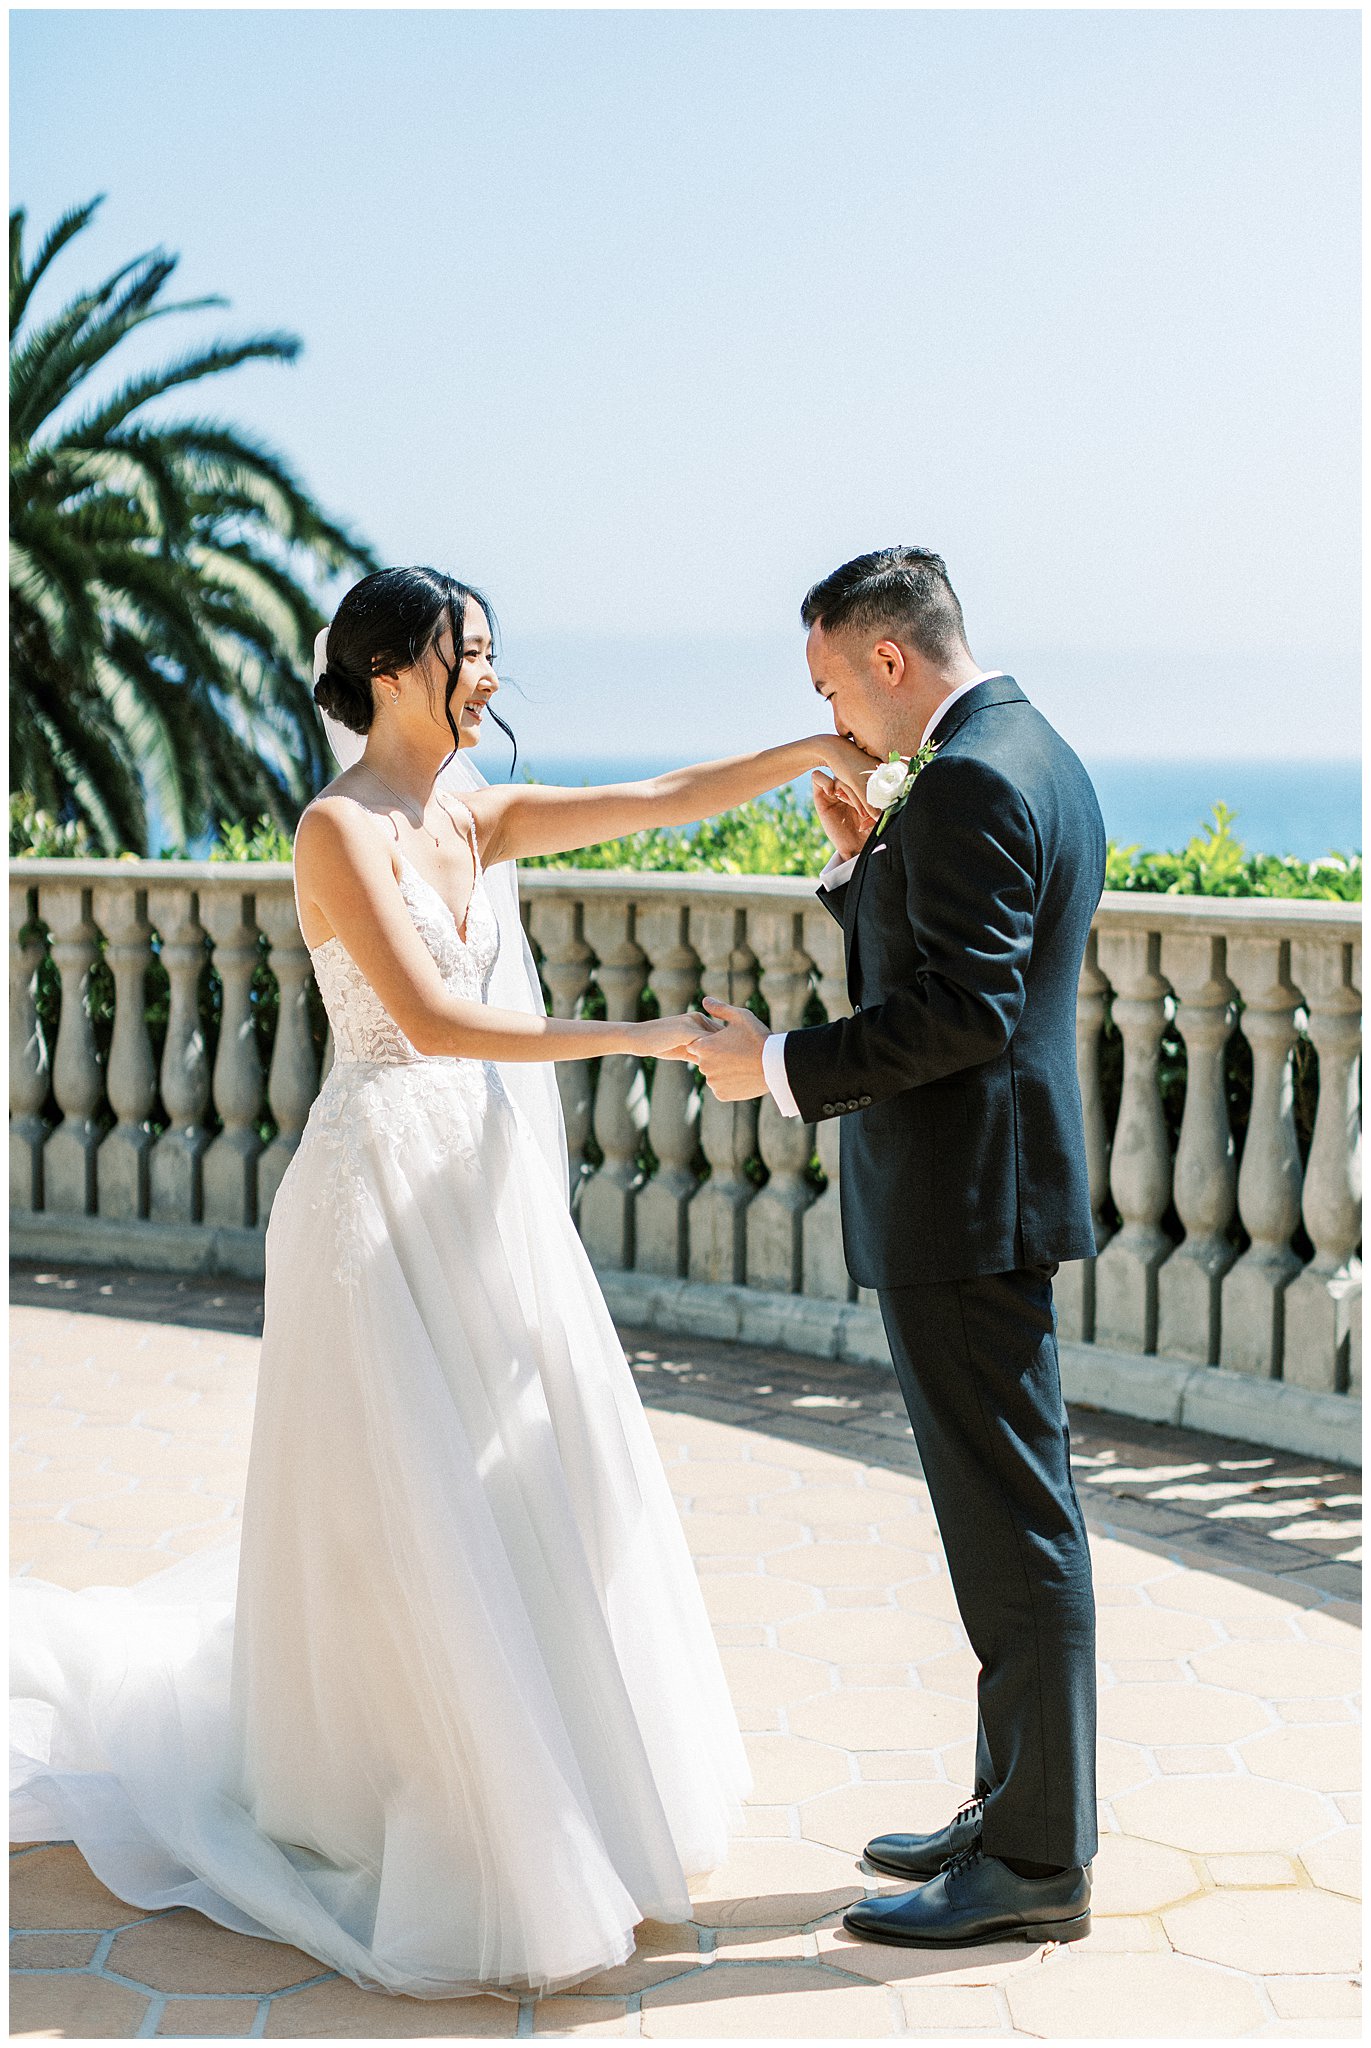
x=395, y=696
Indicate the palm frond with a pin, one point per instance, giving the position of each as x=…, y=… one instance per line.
x=211, y=362
x=22, y=281
x=162, y=575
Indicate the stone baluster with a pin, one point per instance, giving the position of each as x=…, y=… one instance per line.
x=1140, y=1161
x=1073, y=1290
x=1269, y=1177
x=122, y=1163
x=728, y=1130
x=824, y=1268
x=230, y=1164
x=1190, y=1284
x=775, y=1218
x=607, y=1200
x=29, y=1072
x=293, y=1078
x=1322, y=1303
x=174, y=1185
x=660, y=1231
x=566, y=965
x=69, y=1183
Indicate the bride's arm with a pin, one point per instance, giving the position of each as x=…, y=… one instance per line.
x=532, y=818
x=343, y=868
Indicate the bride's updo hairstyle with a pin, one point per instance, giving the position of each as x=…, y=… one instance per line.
x=386, y=623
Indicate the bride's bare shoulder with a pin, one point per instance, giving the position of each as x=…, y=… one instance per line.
x=338, y=822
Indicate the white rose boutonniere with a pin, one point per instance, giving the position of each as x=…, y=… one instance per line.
x=888, y=787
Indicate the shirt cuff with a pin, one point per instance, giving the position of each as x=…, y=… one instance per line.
x=774, y=1074
x=835, y=871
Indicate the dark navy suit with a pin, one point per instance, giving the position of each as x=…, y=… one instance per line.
x=964, y=1185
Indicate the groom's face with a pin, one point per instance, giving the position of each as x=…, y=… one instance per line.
x=844, y=674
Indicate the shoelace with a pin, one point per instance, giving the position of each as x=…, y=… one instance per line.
x=963, y=1859
x=970, y=1808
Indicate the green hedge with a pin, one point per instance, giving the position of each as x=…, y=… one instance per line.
x=781, y=835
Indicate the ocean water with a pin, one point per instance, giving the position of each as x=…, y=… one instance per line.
x=1307, y=808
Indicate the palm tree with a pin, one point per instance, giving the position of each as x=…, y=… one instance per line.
x=161, y=615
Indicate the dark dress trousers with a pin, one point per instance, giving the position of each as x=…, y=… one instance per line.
x=963, y=1186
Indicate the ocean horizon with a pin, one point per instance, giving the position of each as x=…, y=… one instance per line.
x=1305, y=808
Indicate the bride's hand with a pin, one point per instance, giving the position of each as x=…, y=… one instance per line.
x=848, y=763
x=666, y=1038
x=846, y=820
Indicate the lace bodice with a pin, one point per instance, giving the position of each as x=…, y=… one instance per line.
x=363, y=1029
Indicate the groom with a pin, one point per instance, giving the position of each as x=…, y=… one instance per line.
x=965, y=915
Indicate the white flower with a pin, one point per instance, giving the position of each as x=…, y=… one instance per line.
x=887, y=784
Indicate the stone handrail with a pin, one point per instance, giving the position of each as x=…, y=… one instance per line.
x=1243, y=1259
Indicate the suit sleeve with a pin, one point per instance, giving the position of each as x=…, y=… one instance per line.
x=972, y=862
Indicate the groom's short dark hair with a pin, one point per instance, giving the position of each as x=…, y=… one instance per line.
x=901, y=591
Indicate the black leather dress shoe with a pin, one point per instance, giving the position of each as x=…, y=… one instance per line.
x=923, y=1856
x=977, y=1899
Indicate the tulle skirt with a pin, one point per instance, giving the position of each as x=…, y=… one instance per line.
x=449, y=1716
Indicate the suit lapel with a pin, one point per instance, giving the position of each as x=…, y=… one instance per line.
x=854, y=896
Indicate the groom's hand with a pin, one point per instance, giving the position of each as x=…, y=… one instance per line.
x=846, y=820
x=729, y=1054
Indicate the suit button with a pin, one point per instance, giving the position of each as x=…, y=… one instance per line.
x=827, y=1108
x=865, y=1102
x=856, y=1009
x=853, y=1103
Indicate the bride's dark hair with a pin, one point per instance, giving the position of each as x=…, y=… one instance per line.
x=388, y=622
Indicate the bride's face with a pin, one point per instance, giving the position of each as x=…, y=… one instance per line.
x=476, y=681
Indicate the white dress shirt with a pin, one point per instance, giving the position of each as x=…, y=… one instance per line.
x=835, y=873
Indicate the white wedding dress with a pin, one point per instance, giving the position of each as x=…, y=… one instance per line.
x=455, y=1719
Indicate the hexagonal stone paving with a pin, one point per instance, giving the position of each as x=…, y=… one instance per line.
x=757, y=2002
x=1259, y=1931
x=1218, y=1815
x=891, y=1635
x=786, y=1769
x=777, y=1884
x=1335, y=1861
x=88, y=2008
x=182, y=1951
x=1165, y=1714
x=1111, y=1998
x=1131, y=1877
x=1229, y=1853
x=1326, y=1759
x=1281, y=1671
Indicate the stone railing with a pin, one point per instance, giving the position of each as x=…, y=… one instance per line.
x=1235, y=1252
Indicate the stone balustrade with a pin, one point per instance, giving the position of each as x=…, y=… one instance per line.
x=1228, y=1209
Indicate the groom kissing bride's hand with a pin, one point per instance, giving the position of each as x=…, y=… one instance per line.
x=965, y=885
x=729, y=1049
x=845, y=818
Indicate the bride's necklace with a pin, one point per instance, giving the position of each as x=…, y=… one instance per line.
x=404, y=804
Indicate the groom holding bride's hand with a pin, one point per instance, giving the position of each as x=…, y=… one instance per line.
x=965, y=888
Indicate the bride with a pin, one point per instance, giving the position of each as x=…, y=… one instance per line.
x=448, y=1714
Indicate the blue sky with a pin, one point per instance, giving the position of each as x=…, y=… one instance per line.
x=645, y=319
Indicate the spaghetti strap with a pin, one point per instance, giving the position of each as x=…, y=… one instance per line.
x=447, y=798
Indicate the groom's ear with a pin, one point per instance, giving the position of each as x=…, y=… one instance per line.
x=888, y=660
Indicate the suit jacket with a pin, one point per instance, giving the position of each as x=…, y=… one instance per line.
x=963, y=1146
